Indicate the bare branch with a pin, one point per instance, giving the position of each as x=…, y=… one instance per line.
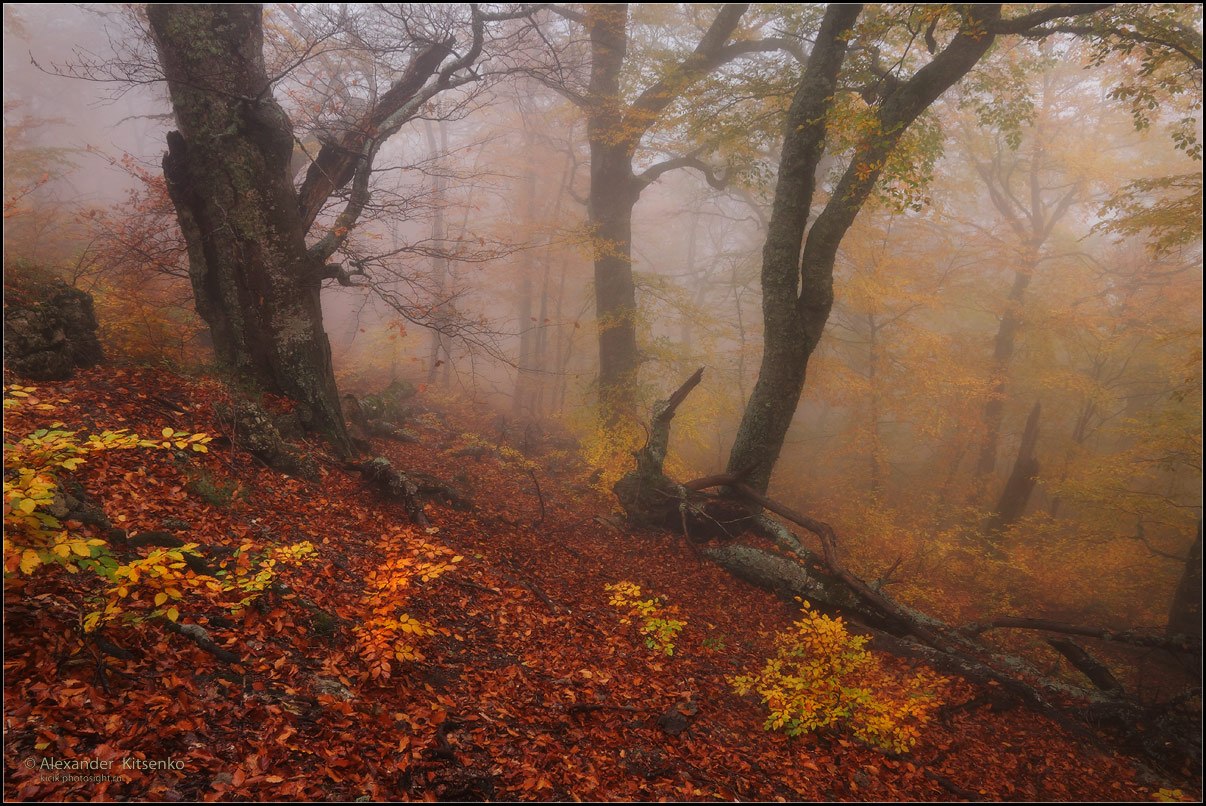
x=651, y=174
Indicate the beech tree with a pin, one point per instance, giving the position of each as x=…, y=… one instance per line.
x=615, y=128
x=797, y=269
x=256, y=277
x=797, y=278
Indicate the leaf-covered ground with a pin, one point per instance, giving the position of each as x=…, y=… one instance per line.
x=526, y=685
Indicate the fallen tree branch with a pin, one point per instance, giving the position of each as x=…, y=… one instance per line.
x=587, y=707
x=1092, y=668
x=539, y=495
x=651, y=499
x=395, y=484
x=1176, y=643
x=200, y=636
x=952, y=787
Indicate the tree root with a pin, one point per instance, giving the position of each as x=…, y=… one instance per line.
x=652, y=500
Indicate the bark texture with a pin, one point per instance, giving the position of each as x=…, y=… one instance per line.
x=227, y=167
x=614, y=130
x=797, y=271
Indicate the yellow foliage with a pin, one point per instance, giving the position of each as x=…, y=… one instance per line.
x=33, y=536
x=608, y=448
x=389, y=635
x=822, y=677
x=659, y=630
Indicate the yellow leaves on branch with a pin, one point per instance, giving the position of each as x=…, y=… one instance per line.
x=822, y=677
x=659, y=630
x=33, y=536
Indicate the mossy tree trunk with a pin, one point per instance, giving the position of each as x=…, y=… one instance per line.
x=797, y=269
x=614, y=129
x=227, y=167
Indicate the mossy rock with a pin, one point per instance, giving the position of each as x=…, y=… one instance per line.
x=49, y=329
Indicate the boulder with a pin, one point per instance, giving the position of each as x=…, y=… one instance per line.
x=49, y=330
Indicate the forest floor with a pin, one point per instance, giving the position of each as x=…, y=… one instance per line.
x=525, y=686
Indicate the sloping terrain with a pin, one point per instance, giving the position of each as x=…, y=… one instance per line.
x=517, y=680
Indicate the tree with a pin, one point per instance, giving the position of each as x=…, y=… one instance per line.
x=798, y=279
x=255, y=279
x=1185, y=614
x=615, y=128
x=797, y=270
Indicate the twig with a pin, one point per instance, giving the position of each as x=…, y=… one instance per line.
x=539, y=495
x=586, y=707
x=951, y=786
x=1135, y=637
x=464, y=583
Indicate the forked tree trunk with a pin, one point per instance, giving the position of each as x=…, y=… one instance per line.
x=227, y=169
x=797, y=270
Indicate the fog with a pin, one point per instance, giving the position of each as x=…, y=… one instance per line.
x=1026, y=243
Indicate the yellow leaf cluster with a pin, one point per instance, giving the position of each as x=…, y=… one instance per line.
x=822, y=677
x=659, y=630
x=389, y=634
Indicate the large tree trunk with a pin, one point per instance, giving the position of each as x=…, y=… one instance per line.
x=797, y=272
x=613, y=194
x=227, y=170
x=614, y=130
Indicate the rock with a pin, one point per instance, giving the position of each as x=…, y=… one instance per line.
x=401, y=389
x=49, y=330
x=71, y=502
x=198, y=565
x=648, y=762
x=673, y=721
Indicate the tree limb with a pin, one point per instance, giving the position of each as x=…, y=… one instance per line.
x=650, y=174
x=1133, y=637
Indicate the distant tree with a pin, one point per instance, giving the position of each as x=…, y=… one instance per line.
x=617, y=121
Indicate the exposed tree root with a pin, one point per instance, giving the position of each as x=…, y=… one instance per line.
x=407, y=487
x=200, y=636
x=652, y=500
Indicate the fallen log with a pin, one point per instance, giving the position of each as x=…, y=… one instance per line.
x=1174, y=643
x=409, y=487
x=1081, y=660
x=651, y=499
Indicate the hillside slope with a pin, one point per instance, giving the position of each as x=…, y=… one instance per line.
x=517, y=680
